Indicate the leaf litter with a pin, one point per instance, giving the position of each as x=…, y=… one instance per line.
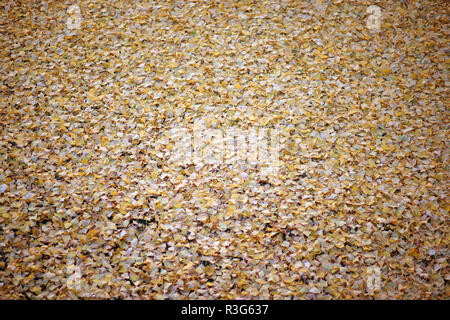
x=91, y=207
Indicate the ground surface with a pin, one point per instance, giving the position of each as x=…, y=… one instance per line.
x=92, y=206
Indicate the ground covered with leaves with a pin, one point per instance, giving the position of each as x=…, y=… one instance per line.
x=92, y=207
